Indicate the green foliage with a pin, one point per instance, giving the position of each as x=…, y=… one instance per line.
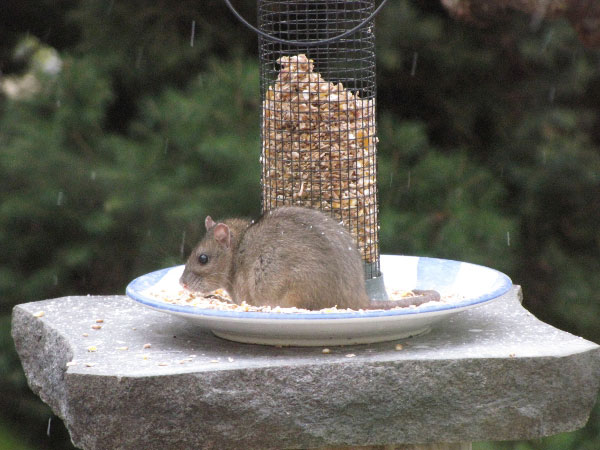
x=441, y=205
x=83, y=210
x=81, y=204
x=489, y=152
x=9, y=442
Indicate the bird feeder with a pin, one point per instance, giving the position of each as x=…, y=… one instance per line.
x=318, y=125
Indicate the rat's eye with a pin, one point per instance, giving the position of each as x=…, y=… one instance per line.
x=203, y=258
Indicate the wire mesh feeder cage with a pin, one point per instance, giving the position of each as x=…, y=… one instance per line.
x=318, y=127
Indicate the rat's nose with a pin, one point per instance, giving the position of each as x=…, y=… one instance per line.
x=186, y=279
x=182, y=280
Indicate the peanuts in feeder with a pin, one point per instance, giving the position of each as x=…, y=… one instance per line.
x=318, y=149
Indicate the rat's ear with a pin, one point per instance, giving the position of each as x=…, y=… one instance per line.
x=209, y=223
x=222, y=235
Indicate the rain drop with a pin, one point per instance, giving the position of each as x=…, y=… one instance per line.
x=48, y=429
x=552, y=94
x=413, y=69
x=547, y=40
x=93, y=175
x=166, y=148
x=508, y=238
x=61, y=198
x=138, y=58
x=537, y=18
x=408, y=181
x=182, y=247
x=193, y=33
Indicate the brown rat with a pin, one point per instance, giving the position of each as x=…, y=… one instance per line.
x=290, y=257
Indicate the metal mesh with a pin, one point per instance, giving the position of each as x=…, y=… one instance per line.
x=318, y=114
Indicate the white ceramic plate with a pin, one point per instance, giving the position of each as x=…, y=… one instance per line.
x=465, y=285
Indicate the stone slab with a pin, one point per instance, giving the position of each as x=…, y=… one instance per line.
x=148, y=380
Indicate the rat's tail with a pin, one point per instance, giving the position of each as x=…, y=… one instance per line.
x=420, y=297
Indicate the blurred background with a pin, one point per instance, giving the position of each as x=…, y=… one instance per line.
x=123, y=124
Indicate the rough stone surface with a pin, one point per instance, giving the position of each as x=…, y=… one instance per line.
x=490, y=373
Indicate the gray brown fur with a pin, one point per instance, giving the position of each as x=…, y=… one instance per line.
x=290, y=257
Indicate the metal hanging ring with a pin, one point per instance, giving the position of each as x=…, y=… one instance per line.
x=304, y=43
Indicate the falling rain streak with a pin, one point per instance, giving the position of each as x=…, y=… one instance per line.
x=61, y=198
x=193, y=33
x=408, y=182
x=547, y=40
x=413, y=69
x=166, y=145
x=182, y=246
x=48, y=429
x=138, y=59
x=508, y=238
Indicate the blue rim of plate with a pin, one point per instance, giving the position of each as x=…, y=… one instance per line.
x=425, y=265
